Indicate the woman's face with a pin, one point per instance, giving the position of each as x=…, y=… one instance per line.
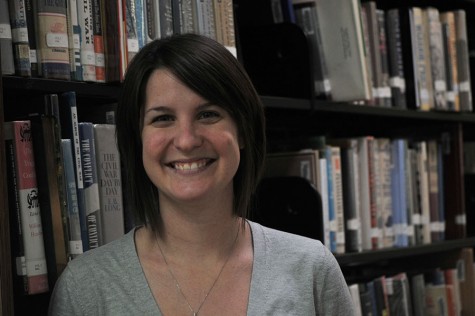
x=190, y=147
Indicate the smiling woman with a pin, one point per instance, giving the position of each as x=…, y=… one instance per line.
x=191, y=134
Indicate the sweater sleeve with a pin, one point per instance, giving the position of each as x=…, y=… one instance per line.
x=333, y=294
x=65, y=300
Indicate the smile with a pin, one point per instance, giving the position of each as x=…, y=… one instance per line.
x=191, y=166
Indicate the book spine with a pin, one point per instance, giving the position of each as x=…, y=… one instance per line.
x=74, y=33
x=385, y=166
x=75, y=241
x=331, y=201
x=35, y=259
x=131, y=28
x=398, y=183
x=396, y=66
x=98, y=40
x=205, y=18
x=385, y=89
x=420, y=67
x=436, y=46
x=224, y=11
x=423, y=189
x=6, y=49
x=91, y=185
x=307, y=18
x=31, y=28
x=88, y=55
x=166, y=17
x=432, y=162
x=324, y=194
x=110, y=182
x=53, y=44
x=151, y=19
x=110, y=29
x=374, y=193
x=187, y=16
x=140, y=23
x=465, y=90
x=450, y=50
x=338, y=199
x=364, y=192
x=69, y=120
x=21, y=46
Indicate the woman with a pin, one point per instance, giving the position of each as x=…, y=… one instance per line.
x=190, y=130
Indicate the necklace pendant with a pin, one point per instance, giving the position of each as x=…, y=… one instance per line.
x=195, y=314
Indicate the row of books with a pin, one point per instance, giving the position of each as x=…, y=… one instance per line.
x=403, y=57
x=65, y=190
x=376, y=192
x=446, y=290
x=94, y=40
x=441, y=291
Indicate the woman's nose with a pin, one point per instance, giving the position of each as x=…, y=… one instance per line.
x=187, y=137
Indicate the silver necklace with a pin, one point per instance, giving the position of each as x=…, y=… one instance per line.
x=177, y=284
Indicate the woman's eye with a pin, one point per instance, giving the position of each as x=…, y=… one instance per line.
x=162, y=118
x=209, y=115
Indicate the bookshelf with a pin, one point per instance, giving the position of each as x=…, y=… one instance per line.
x=289, y=118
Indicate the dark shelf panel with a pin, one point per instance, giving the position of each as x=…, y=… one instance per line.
x=96, y=90
x=368, y=257
x=366, y=111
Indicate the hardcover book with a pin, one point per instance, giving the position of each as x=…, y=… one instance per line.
x=31, y=28
x=449, y=37
x=345, y=52
x=86, y=24
x=92, y=207
x=48, y=161
x=52, y=37
x=110, y=182
x=32, y=263
x=98, y=41
x=21, y=47
x=75, y=240
x=6, y=50
x=463, y=61
x=74, y=33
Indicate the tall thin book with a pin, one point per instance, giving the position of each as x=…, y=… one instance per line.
x=18, y=135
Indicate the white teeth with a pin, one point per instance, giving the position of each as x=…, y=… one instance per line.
x=189, y=166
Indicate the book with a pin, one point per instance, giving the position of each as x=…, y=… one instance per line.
x=21, y=47
x=6, y=41
x=437, y=55
x=92, y=207
x=131, y=27
x=433, y=165
x=375, y=194
x=98, y=41
x=364, y=191
x=110, y=182
x=452, y=279
x=75, y=240
x=436, y=300
x=469, y=184
x=418, y=294
x=427, y=58
x=463, y=62
x=31, y=28
x=355, y=296
x=112, y=41
x=399, y=199
x=385, y=89
x=454, y=185
x=397, y=80
x=74, y=33
x=351, y=199
x=399, y=295
x=203, y=13
x=31, y=262
x=415, y=68
x=338, y=199
x=450, y=51
x=52, y=39
x=70, y=130
x=224, y=21
x=307, y=18
x=86, y=40
x=423, y=192
x=385, y=221
x=345, y=52
x=48, y=163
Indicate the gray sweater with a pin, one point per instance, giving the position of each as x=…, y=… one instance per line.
x=292, y=275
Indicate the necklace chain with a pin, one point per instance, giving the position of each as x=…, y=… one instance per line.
x=177, y=284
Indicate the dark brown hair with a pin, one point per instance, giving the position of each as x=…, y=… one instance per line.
x=211, y=71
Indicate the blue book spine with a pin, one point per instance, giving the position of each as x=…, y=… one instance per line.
x=331, y=201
